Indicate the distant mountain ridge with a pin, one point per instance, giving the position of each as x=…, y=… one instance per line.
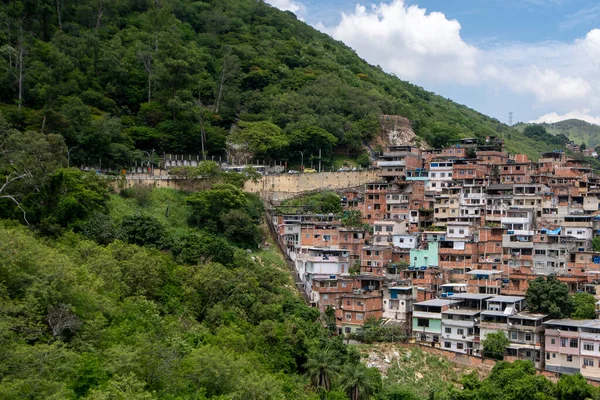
x=575, y=129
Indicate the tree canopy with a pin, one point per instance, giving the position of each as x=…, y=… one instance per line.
x=549, y=296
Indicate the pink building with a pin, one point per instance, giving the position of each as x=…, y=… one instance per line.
x=573, y=346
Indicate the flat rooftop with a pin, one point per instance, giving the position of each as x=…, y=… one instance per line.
x=506, y=299
x=574, y=323
x=471, y=296
x=436, y=303
x=466, y=311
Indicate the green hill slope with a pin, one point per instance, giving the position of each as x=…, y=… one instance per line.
x=575, y=129
x=178, y=75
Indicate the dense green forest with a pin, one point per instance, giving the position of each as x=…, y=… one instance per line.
x=119, y=77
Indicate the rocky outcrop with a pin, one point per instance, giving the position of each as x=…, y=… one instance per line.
x=397, y=131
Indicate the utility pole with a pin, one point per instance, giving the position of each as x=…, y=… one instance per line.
x=69, y=155
x=150, y=157
x=319, y=160
x=510, y=118
x=226, y=152
x=301, y=160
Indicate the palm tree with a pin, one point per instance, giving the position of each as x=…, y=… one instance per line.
x=321, y=368
x=357, y=381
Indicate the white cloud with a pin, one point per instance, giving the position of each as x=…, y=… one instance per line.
x=408, y=41
x=287, y=5
x=554, y=117
x=427, y=48
x=547, y=85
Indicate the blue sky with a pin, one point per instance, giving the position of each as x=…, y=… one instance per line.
x=539, y=59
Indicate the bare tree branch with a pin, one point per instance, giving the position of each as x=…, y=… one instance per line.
x=7, y=196
x=61, y=319
x=9, y=180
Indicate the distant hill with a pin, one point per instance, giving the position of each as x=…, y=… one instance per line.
x=575, y=129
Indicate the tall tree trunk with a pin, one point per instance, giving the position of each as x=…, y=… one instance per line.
x=147, y=61
x=100, y=12
x=202, y=131
x=220, y=89
x=20, y=76
x=58, y=14
x=20, y=61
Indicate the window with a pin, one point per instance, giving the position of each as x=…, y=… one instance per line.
x=573, y=343
x=348, y=330
x=448, y=330
x=422, y=322
x=348, y=316
x=344, y=284
x=325, y=296
x=569, y=358
x=528, y=337
x=588, y=346
x=326, y=238
x=563, y=342
x=588, y=362
x=450, y=230
x=377, y=228
x=389, y=228
x=433, y=174
x=547, y=356
x=553, y=355
x=460, y=346
x=514, y=335
x=359, y=317
x=447, y=345
x=348, y=302
x=460, y=331
x=553, y=341
x=461, y=231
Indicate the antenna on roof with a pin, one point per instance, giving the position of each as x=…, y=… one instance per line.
x=510, y=118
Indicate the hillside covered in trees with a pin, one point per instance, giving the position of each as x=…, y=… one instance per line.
x=576, y=130
x=113, y=77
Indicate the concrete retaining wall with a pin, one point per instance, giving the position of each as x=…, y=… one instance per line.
x=269, y=187
x=285, y=186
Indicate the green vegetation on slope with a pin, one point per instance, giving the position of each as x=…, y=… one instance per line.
x=576, y=130
x=159, y=310
x=185, y=75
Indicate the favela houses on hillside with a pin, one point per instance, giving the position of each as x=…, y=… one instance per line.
x=446, y=245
